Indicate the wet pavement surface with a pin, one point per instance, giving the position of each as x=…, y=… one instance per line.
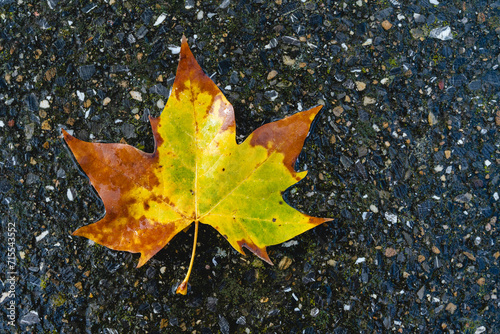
x=404, y=157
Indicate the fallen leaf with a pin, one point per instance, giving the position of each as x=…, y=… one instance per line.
x=197, y=173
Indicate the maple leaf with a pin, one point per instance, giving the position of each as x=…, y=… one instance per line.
x=197, y=173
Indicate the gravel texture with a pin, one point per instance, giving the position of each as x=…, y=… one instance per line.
x=404, y=156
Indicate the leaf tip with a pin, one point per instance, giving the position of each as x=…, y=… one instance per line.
x=65, y=134
x=78, y=232
x=316, y=221
x=260, y=252
x=144, y=258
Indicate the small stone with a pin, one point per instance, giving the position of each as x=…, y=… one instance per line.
x=390, y=252
x=224, y=4
x=272, y=74
x=69, y=194
x=174, y=49
x=223, y=323
x=338, y=110
x=87, y=103
x=420, y=293
x=373, y=208
x=32, y=102
x=481, y=18
x=435, y=250
x=369, y=41
x=50, y=74
x=368, y=100
x=477, y=241
x=86, y=71
x=360, y=86
x=160, y=104
x=470, y=256
x=314, y=312
x=160, y=19
x=463, y=198
x=46, y=125
x=106, y=101
x=272, y=44
x=451, y=308
x=481, y=281
x=421, y=258
x=30, y=319
x=44, y=104
x=136, y=95
x=41, y=236
x=331, y=262
x=81, y=95
x=160, y=89
x=480, y=330
x=417, y=33
x=442, y=33
x=447, y=154
x=386, y=25
x=391, y=217
x=141, y=32
x=271, y=95
x=288, y=61
x=290, y=40
x=29, y=130
x=431, y=118
x=285, y=262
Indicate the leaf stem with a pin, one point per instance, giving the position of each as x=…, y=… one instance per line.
x=182, y=288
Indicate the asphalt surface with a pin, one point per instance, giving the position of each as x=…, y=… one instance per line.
x=404, y=157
